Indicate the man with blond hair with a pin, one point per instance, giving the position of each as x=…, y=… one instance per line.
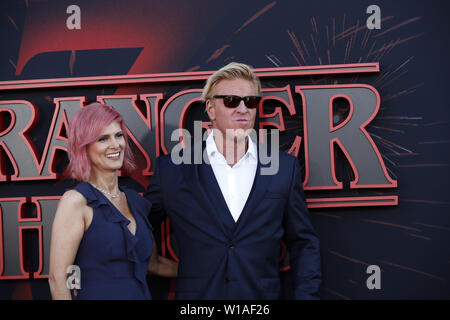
x=227, y=216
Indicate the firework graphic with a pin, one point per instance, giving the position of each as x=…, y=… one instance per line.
x=341, y=39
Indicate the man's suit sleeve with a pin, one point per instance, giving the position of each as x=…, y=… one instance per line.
x=302, y=242
x=155, y=196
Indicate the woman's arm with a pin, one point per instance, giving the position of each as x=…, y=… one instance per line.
x=67, y=232
x=162, y=266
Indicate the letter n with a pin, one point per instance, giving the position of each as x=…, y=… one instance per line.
x=65, y=108
x=174, y=114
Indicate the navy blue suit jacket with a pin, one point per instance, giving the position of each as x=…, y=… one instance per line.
x=224, y=259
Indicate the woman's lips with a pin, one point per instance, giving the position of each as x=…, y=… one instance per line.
x=113, y=156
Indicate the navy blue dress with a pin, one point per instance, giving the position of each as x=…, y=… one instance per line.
x=114, y=262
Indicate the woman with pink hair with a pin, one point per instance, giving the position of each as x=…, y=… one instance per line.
x=99, y=227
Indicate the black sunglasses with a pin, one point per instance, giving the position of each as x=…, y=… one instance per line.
x=231, y=101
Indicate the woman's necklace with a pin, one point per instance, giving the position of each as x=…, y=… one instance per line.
x=112, y=195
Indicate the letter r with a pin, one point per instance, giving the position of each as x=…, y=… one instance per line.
x=351, y=136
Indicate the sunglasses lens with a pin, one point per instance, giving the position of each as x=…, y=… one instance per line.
x=231, y=101
x=251, y=102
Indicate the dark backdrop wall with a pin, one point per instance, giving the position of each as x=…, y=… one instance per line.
x=410, y=242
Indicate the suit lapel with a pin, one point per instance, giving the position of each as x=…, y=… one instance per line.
x=215, y=195
x=206, y=190
x=254, y=198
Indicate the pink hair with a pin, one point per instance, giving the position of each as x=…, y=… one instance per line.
x=84, y=128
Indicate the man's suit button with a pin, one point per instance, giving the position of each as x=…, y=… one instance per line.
x=227, y=280
x=231, y=245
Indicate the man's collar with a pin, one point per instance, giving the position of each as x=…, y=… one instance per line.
x=211, y=146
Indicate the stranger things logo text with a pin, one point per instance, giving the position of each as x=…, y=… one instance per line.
x=321, y=113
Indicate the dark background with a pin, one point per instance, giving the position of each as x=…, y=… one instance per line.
x=410, y=242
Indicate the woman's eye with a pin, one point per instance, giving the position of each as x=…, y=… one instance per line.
x=102, y=139
x=120, y=134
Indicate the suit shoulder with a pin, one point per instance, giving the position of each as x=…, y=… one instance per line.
x=269, y=151
x=166, y=166
x=289, y=163
x=164, y=160
x=284, y=156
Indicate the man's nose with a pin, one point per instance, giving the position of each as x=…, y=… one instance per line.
x=242, y=107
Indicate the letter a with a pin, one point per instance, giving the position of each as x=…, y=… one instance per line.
x=374, y=281
x=374, y=21
x=74, y=20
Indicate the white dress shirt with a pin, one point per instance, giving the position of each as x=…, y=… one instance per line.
x=235, y=182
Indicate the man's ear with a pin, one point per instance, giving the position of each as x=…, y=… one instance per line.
x=210, y=110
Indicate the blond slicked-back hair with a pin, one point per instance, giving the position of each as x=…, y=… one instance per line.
x=231, y=71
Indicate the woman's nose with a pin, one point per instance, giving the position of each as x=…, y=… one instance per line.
x=114, y=143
